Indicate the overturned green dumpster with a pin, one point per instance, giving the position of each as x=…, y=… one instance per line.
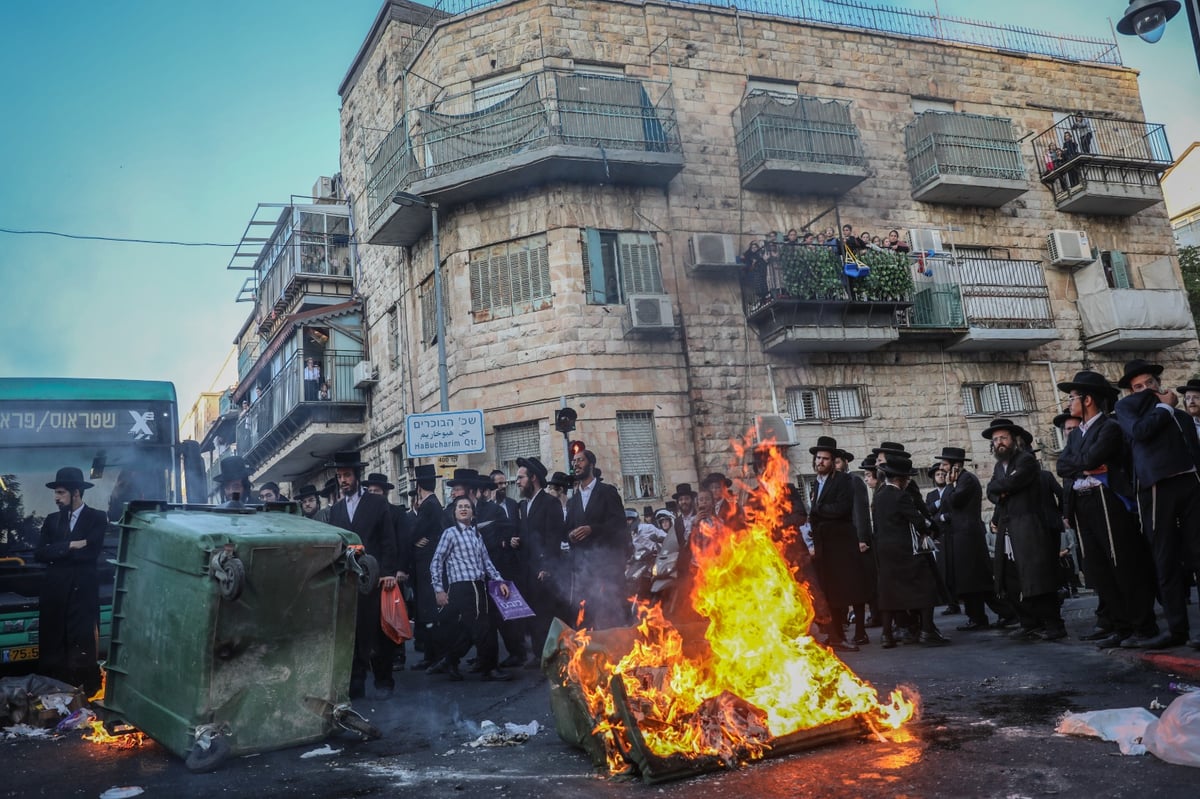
x=233, y=629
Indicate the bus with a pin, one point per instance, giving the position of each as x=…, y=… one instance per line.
x=123, y=434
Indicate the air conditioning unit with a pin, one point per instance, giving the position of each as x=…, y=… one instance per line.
x=711, y=251
x=650, y=312
x=365, y=375
x=776, y=427
x=1069, y=248
x=925, y=240
x=323, y=189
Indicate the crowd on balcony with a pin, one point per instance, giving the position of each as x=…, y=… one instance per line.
x=767, y=250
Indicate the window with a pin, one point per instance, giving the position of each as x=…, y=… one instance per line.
x=990, y=399
x=400, y=469
x=832, y=404
x=393, y=335
x=381, y=72
x=639, y=454
x=496, y=89
x=510, y=278
x=1116, y=268
x=514, y=441
x=785, y=88
x=921, y=105
x=428, y=313
x=617, y=264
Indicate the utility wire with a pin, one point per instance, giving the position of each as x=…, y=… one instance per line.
x=114, y=238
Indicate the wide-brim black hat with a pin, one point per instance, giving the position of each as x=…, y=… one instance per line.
x=953, y=454
x=848, y=457
x=1009, y=425
x=1060, y=421
x=232, y=468
x=890, y=449
x=377, y=479
x=1192, y=385
x=535, y=466
x=468, y=478
x=897, y=466
x=683, y=490
x=306, y=490
x=330, y=488
x=1090, y=382
x=932, y=470
x=825, y=444
x=716, y=477
x=560, y=479
x=346, y=460
x=869, y=464
x=1137, y=367
x=69, y=477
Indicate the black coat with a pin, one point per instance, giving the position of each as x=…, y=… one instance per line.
x=838, y=558
x=598, y=561
x=906, y=580
x=69, y=605
x=373, y=525
x=498, y=530
x=1163, y=443
x=1102, y=446
x=542, y=533
x=964, y=537
x=1016, y=489
x=426, y=527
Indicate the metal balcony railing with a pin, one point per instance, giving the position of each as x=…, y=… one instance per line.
x=1084, y=152
x=792, y=274
x=285, y=394
x=548, y=108
x=983, y=293
x=940, y=144
x=797, y=129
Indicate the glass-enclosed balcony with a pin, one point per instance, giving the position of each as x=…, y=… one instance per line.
x=794, y=144
x=800, y=299
x=964, y=159
x=550, y=126
x=1099, y=166
x=974, y=304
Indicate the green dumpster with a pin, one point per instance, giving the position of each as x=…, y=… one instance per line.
x=233, y=629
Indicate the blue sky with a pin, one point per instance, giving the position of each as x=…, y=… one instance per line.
x=155, y=120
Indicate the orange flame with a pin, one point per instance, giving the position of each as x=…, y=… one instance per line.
x=759, y=649
x=130, y=739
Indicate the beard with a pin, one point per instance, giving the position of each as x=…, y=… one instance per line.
x=1003, y=451
x=528, y=490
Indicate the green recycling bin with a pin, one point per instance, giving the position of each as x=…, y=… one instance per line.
x=233, y=629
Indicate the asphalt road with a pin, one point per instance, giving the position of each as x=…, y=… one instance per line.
x=988, y=709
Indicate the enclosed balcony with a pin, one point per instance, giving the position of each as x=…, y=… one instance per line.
x=800, y=299
x=964, y=159
x=551, y=126
x=1108, y=167
x=793, y=144
x=1116, y=315
x=975, y=304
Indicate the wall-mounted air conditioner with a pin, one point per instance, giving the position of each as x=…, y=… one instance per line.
x=1069, y=248
x=776, y=427
x=716, y=252
x=650, y=312
x=927, y=240
x=365, y=375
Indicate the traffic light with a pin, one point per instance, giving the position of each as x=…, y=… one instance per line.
x=576, y=447
x=564, y=420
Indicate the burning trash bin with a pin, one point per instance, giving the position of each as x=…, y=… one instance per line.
x=233, y=629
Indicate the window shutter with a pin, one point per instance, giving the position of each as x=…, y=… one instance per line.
x=640, y=272
x=802, y=404
x=481, y=295
x=517, y=441
x=593, y=267
x=845, y=403
x=1120, y=269
x=970, y=405
x=639, y=453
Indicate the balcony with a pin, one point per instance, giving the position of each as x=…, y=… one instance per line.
x=1106, y=167
x=964, y=159
x=793, y=144
x=1116, y=316
x=284, y=426
x=554, y=126
x=799, y=299
x=979, y=304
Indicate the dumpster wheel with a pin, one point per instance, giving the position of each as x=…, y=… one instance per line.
x=210, y=751
x=367, y=569
x=349, y=719
x=229, y=572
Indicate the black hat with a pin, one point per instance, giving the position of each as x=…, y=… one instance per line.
x=270, y=486
x=683, y=490
x=716, y=477
x=825, y=444
x=1193, y=384
x=70, y=477
x=377, y=479
x=232, y=468
x=425, y=476
x=346, y=460
x=953, y=454
x=869, y=464
x=1061, y=419
x=891, y=448
x=848, y=457
x=932, y=470
x=1010, y=426
x=330, y=488
x=1137, y=367
x=897, y=466
x=534, y=466
x=1092, y=383
x=561, y=480
x=306, y=490
x=465, y=477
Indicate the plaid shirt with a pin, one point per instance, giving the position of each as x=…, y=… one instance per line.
x=462, y=555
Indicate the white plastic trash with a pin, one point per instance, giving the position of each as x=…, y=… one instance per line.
x=1175, y=737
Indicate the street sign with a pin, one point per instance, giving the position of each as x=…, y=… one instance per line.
x=449, y=433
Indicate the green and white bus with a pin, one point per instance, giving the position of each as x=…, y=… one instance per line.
x=123, y=434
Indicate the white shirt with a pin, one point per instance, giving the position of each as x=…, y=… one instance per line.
x=352, y=503
x=585, y=493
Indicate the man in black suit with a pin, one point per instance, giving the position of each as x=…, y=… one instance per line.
x=368, y=516
x=378, y=483
x=69, y=606
x=1096, y=475
x=1165, y=452
x=600, y=546
x=542, y=534
x=427, y=527
x=496, y=520
x=838, y=552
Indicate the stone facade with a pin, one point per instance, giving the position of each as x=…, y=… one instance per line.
x=705, y=384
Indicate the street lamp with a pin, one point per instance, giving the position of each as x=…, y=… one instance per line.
x=1147, y=18
x=406, y=199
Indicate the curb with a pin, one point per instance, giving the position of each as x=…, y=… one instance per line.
x=1180, y=665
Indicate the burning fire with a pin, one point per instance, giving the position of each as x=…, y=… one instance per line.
x=126, y=738
x=759, y=675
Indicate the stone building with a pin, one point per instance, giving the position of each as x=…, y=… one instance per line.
x=599, y=168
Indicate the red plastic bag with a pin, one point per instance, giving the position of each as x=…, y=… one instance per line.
x=393, y=615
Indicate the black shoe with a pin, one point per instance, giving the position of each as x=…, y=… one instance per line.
x=511, y=662
x=1194, y=643
x=441, y=667
x=453, y=673
x=887, y=642
x=973, y=626
x=477, y=668
x=952, y=610
x=1004, y=624
x=495, y=675
x=861, y=638
x=1110, y=642
x=1027, y=634
x=1161, y=641
x=1097, y=634
x=1055, y=634
x=933, y=639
